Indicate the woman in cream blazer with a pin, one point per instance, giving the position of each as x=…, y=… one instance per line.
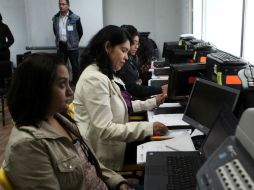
x=100, y=109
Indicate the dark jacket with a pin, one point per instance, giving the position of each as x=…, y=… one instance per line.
x=131, y=77
x=6, y=37
x=73, y=37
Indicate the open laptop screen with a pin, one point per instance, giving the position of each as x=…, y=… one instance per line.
x=206, y=100
x=223, y=127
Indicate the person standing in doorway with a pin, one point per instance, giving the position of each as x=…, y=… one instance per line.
x=6, y=40
x=68, y=30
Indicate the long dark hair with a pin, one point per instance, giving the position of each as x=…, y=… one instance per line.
x=30, y=92
x=95, y=51
x=131, y=30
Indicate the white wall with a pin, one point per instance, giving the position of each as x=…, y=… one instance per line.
x=31, y=21
x=165, y=19
x=13, y=13
x=39, y=15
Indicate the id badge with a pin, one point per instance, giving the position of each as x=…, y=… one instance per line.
x=70, y=28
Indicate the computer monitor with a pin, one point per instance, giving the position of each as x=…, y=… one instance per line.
x=174, y=53
x=168, y=46
x=206, y=100
x=181, y=79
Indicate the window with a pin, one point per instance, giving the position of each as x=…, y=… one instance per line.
x=221, y=23
x=248, y=50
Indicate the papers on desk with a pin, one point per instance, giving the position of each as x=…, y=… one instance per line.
x=180, y=143
x=169, y=119
x=171, y=134
x=163, y=77
x=169, y=105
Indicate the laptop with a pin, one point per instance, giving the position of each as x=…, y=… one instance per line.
x=177, y=170
x=205, y=102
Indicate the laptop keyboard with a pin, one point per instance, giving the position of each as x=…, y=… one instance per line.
x=182, y=170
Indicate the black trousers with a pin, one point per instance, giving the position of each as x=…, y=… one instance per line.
x=73, y=56
x=5, y=55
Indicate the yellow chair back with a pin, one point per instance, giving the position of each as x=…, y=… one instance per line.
x=71, y=110
x=4, y=181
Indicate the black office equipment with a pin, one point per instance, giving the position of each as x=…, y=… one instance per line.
x=168, y=110
x=223, y=68
x=174, y=53
x=206, y=100
x=181, y=79
x=160, y=64
x=203, y=46
x=21, y=57
x=177, y=170
x=158, y=83
x=171, y=170
x=161, y=71
x=231, y=166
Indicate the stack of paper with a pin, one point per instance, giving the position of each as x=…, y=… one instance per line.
x=182, y=142
x=171, y=134
x=169, y=119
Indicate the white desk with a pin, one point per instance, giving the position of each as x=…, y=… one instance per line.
x=167, y=119
x=170, y=119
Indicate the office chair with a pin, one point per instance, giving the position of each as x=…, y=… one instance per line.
x=5, y=76
x=4, y=181
x=70, y=110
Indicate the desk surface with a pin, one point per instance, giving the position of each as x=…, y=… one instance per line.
x=167, y=119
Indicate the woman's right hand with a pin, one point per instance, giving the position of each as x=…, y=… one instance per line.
x=160, y=98
x=164, y=89
x=159, y=129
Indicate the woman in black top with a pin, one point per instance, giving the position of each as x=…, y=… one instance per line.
x=130, y=73
x=6, y=40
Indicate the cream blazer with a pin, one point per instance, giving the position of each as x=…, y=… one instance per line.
x=102, y=117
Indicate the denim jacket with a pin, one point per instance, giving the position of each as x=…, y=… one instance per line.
x=38, y=158
x=73, y=37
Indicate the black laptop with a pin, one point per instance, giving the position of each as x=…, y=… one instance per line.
x=177, y=170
